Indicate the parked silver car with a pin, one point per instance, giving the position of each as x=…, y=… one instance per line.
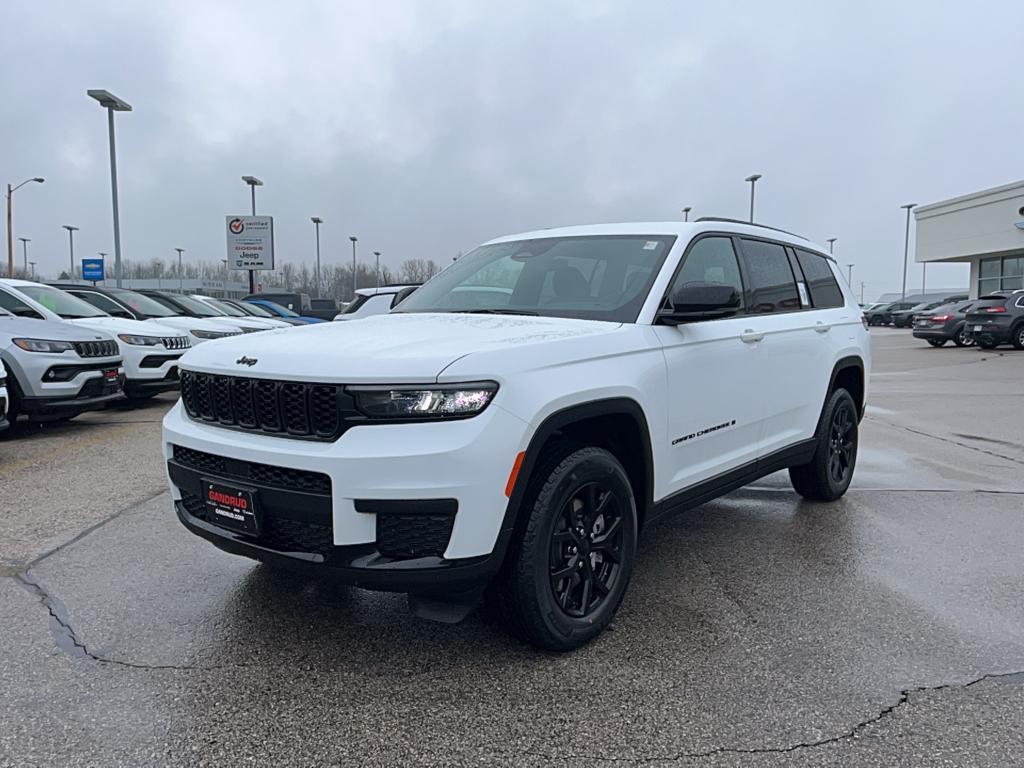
x=57, y=370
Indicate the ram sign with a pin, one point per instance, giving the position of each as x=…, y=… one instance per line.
x=250, y=242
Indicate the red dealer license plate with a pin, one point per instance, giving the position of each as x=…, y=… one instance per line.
x=231, y=507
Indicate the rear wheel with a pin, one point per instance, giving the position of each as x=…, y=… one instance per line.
x=567, y=576
x=961, y=338
x=827, y=476
x=986, y=344
x=937, y=342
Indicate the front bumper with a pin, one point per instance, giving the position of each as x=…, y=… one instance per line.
x=373, y=480
x=142, y=387
x=43, y=408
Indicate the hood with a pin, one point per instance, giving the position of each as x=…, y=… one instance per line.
x=53, y=330
x=116, y=325
x=391, y=348
x=183, y=324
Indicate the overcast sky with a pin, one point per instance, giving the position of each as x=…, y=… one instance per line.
x=426, y=128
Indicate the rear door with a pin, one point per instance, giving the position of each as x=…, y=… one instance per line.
x=793, y=369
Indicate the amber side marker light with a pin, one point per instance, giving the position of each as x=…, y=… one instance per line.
x=516, y=466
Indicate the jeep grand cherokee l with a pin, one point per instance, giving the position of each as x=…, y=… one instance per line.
x=514, y=451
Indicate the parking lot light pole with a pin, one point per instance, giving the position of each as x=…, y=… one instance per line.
x=861, y=291
x=253, y=182
x=181, y=276
x=849, y=274
x=113, y=104
x=33, y=265
x=10, y=220
x=906, y=248
x=924, y=275
x=354, y=240
x=831, y=243
x=71, y=248
x=753, y=180
x=24, y=250
x=317, y=221
x=686, y=213
x=377, y=255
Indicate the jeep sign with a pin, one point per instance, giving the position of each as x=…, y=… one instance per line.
x=250, y=242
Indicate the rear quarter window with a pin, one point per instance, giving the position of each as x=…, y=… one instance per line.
x=821, y=281
x=772, y=283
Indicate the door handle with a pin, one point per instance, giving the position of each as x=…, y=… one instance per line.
x=751, y=336
x=821, y=327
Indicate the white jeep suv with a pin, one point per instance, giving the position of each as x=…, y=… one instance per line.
x=460, y=446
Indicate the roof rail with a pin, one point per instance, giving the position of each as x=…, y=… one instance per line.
x=751, y=224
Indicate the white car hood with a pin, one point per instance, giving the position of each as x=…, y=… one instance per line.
x=185, y=324
x=390, y=348
x=237, y=323
x=116, y=325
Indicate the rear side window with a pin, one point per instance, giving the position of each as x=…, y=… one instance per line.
x=772, y=285
x=821, y=282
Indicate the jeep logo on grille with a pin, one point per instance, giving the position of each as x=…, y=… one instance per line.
x=249, y=361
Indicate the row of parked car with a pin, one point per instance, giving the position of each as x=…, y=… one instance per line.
x=988, y=321
x=67, y=348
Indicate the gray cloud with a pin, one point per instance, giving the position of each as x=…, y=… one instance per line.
x=426, y=128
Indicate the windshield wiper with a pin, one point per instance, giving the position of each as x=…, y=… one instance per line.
x=494, y=312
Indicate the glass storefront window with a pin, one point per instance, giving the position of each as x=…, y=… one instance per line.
x=1000, y=274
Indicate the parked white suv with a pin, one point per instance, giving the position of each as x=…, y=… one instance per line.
x=631, y=371
x=375, y=301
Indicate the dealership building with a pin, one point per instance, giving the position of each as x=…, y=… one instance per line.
x=984, y=229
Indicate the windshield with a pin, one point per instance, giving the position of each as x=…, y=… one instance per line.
x=57, y=301
x=282, y=311
x=142, y=304
x=197, y=308
x=253, y=309
x=227, y=309
x=600, y=277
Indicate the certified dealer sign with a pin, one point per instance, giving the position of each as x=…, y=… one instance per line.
x=250, y=242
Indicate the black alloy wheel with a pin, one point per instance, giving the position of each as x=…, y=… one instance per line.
x=937, y=342
x=841, y=445
x=963, y=339
x=1018, y=337
x=586, y=549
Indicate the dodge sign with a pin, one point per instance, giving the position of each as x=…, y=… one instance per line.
x=250, y=242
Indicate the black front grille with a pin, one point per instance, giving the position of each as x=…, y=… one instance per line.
x=96, y=348
x=413, y=535
x=261, y=474
x=176, y=342
x=278, y=533
x=285, y=408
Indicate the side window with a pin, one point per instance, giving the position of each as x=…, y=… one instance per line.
x=821, y=282
x=772, y=285
x=711, y=261
x=18, y=307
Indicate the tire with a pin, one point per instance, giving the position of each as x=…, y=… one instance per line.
x=827, y=476
x=987, y=344
x=1017, y=334
x=961, y=338
x=937, y=342
x=561, y=587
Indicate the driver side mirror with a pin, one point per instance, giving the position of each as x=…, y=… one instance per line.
x=693, y=303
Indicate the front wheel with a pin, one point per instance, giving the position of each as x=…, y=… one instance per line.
x=827, y=476
x=937, y=342
x=568, y=574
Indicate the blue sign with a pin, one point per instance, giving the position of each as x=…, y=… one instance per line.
x=92, y=269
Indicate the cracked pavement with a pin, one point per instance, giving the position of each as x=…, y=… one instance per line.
x=758, y=630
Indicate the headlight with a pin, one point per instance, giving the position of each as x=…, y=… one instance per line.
x=44, y=345
x=140, y=341
x=213, y=334
x=424, y=402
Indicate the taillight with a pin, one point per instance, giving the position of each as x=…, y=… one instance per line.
x=941, y=318
x=994, y=309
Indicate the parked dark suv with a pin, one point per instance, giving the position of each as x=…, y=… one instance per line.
x=998, y=319
x=883, y=315
x=945, y=323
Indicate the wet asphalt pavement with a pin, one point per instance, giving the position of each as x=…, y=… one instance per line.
x=759, y=630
